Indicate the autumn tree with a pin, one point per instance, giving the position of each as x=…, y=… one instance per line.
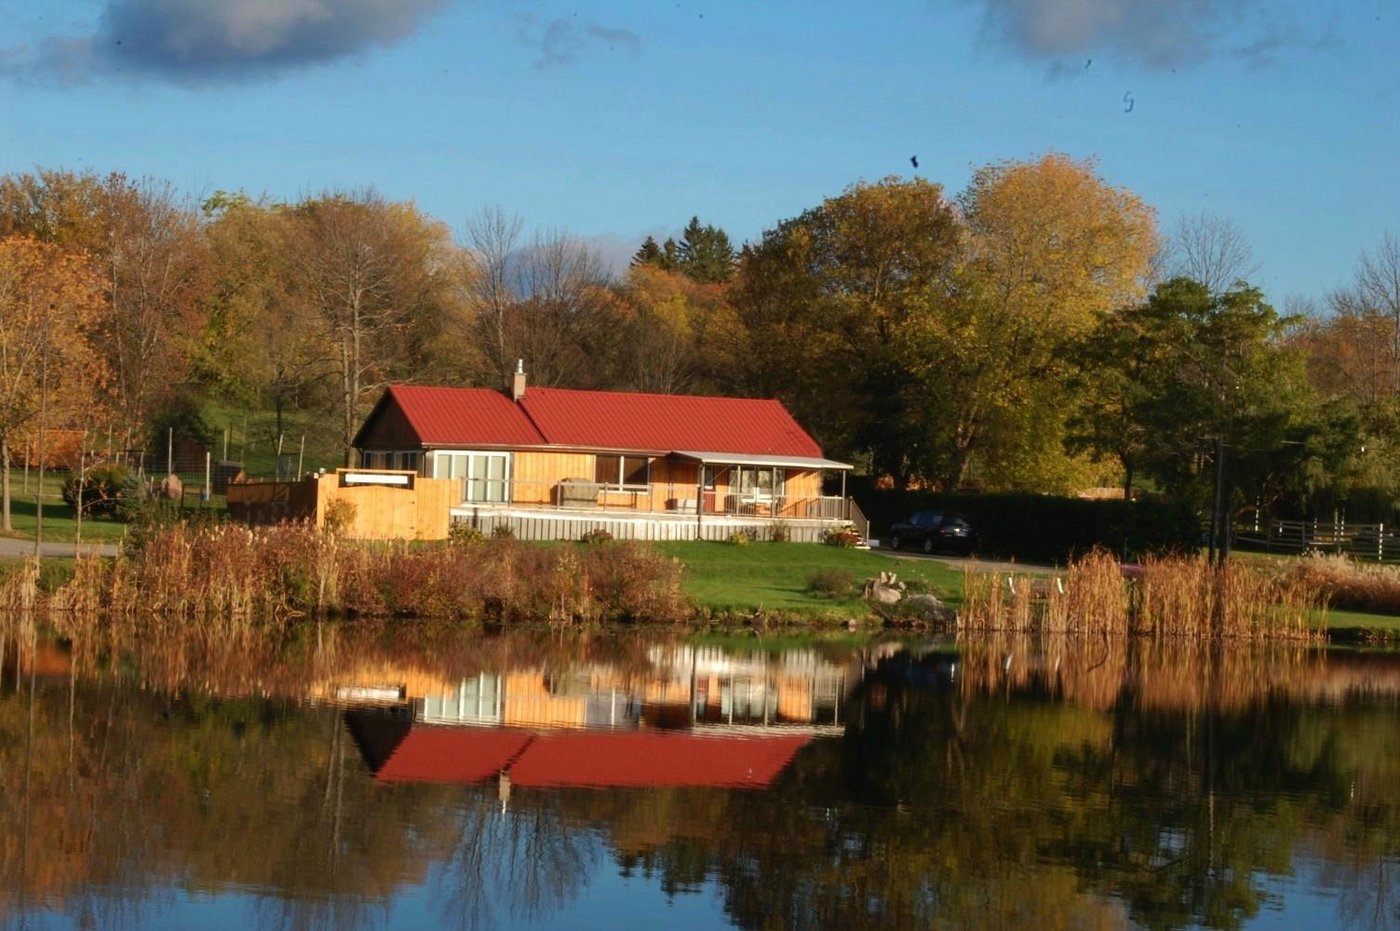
x=51, y=313
x=674, y=335
x=148, y=247
x=1209, y=249
x=1050, y=246
x=834, y=303
x=262, y=342
x=373, y=273
x=542, y=300
x=1371, y=303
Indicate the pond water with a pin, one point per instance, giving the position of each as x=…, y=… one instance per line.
x=397, y=776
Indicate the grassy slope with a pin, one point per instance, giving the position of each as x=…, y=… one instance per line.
x=724, y=578
x=60, y=524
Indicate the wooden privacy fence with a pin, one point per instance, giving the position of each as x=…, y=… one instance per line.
x=1363, y=541
x=369, y=504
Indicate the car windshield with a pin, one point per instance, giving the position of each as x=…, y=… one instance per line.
x=927, y=518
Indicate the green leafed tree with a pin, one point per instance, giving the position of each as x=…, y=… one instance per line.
x=1186, y=367
x=835, y=303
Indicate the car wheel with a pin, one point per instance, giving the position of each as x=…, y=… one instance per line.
x=928, y=545
x=894, y=542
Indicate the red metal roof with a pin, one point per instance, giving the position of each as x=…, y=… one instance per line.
x=665, y=422
x=589, y=758
x=586, y=420
x=463, y=416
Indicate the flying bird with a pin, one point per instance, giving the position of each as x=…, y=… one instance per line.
x=914, y=160
x=1129, y=99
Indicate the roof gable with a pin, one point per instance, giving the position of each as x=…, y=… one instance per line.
x=421, y=415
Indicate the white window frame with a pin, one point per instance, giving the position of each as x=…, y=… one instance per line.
x=468, y=466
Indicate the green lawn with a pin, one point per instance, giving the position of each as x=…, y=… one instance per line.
x=1353, y=626
x=252, y=439
x=60, y=521
x=724, y=578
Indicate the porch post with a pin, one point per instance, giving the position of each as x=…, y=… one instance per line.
x=845, y=502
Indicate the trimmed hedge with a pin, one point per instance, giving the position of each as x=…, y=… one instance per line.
x=1043, y=528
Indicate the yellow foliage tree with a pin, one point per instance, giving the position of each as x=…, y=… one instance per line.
x=1050, y=245
x=51, y=305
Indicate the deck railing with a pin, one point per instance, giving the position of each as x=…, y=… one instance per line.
x=677, y=500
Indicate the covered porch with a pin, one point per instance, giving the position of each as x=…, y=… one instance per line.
x=676, y=495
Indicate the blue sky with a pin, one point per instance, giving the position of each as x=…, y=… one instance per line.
x=615, y=120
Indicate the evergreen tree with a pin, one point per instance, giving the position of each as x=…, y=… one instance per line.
x=657, y=256
x=705, y=253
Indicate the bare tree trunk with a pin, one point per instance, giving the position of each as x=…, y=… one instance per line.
x=5, y=483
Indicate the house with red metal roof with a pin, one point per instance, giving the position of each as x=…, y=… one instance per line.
x=554, y=463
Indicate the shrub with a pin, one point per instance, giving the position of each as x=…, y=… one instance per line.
x=503, y=532
x=107, y=490
x=595, y=536
x=739, y=538
x=780, y=532
x=844, y=537
x=833, y=583
x=461, y=533
x=340, y=514
x=1350, y=585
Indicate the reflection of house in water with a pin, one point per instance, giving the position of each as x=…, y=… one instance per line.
x=702, y=716
x=686, y=687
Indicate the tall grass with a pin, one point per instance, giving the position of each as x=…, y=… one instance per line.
x=1167, y=596
x=228, y=578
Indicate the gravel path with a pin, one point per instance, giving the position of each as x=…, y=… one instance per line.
x=13, y=548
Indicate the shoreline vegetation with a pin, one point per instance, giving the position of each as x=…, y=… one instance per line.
x=229, y=577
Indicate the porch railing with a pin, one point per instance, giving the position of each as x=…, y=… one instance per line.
x=678, y=500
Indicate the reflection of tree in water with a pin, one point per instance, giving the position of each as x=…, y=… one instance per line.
x=1121, y=784
x=955, y=808
x=526, y=861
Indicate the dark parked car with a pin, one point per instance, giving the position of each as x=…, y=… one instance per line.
x=935, y=532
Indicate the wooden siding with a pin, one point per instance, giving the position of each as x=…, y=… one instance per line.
x=535, y=475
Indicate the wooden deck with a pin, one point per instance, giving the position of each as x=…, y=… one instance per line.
x=571, y=524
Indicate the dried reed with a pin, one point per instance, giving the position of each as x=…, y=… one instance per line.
x=231, y=579
x=1168, y=596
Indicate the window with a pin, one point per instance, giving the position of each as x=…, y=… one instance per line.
x=622, y=471
x=756, y=482
x=485, y=477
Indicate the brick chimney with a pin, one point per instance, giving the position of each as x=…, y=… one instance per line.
x=517, y=381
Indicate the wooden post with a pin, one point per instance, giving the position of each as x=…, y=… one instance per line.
x=301, y=455
x=82, y=481
x=208, y=476
x=169, y=450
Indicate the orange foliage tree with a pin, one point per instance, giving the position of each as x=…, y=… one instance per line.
x=51, y=306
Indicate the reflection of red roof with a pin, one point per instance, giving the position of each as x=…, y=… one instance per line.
x=590, y=758
x=412, y=415
x=440, y=754
x=642, y=758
